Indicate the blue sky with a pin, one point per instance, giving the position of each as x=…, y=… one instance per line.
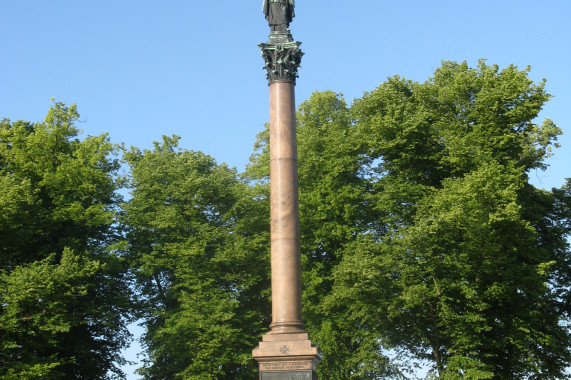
x=141, y=69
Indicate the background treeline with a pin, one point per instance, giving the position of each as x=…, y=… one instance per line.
x=423, y=241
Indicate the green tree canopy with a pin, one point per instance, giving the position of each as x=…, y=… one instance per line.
x=199, y=242
x=423, y=241
x=470, y=267
x=64, y=300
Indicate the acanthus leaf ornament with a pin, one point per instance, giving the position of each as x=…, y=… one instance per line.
x=282, y=60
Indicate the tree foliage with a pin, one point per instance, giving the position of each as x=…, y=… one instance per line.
x=467, y=269
x=423, y=241
x=64, y=299
x=199, y=243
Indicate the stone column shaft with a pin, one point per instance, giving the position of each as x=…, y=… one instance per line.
x=285, y=246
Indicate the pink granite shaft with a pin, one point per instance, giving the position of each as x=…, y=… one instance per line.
x=285, y=243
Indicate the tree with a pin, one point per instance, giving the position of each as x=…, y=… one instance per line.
x=64, y=297
x=471, y=267
x=198, y=238
x=333, y=212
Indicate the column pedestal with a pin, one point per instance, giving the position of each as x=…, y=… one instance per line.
x=287, y=357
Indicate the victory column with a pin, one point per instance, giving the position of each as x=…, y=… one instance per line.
x=285, y=353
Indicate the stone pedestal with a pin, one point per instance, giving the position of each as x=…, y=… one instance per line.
x=287, y=356
x=285, y=353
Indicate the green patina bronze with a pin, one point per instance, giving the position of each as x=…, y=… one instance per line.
x=282, y=55
x=282, y=59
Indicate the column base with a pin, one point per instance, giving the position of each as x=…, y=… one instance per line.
x=291, y=328
x=287, y=357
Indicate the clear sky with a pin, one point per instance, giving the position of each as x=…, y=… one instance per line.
x=141, y=69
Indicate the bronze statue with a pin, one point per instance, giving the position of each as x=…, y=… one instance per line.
x=279, y=14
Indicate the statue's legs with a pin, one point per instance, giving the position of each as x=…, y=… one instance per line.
x=278, y=17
